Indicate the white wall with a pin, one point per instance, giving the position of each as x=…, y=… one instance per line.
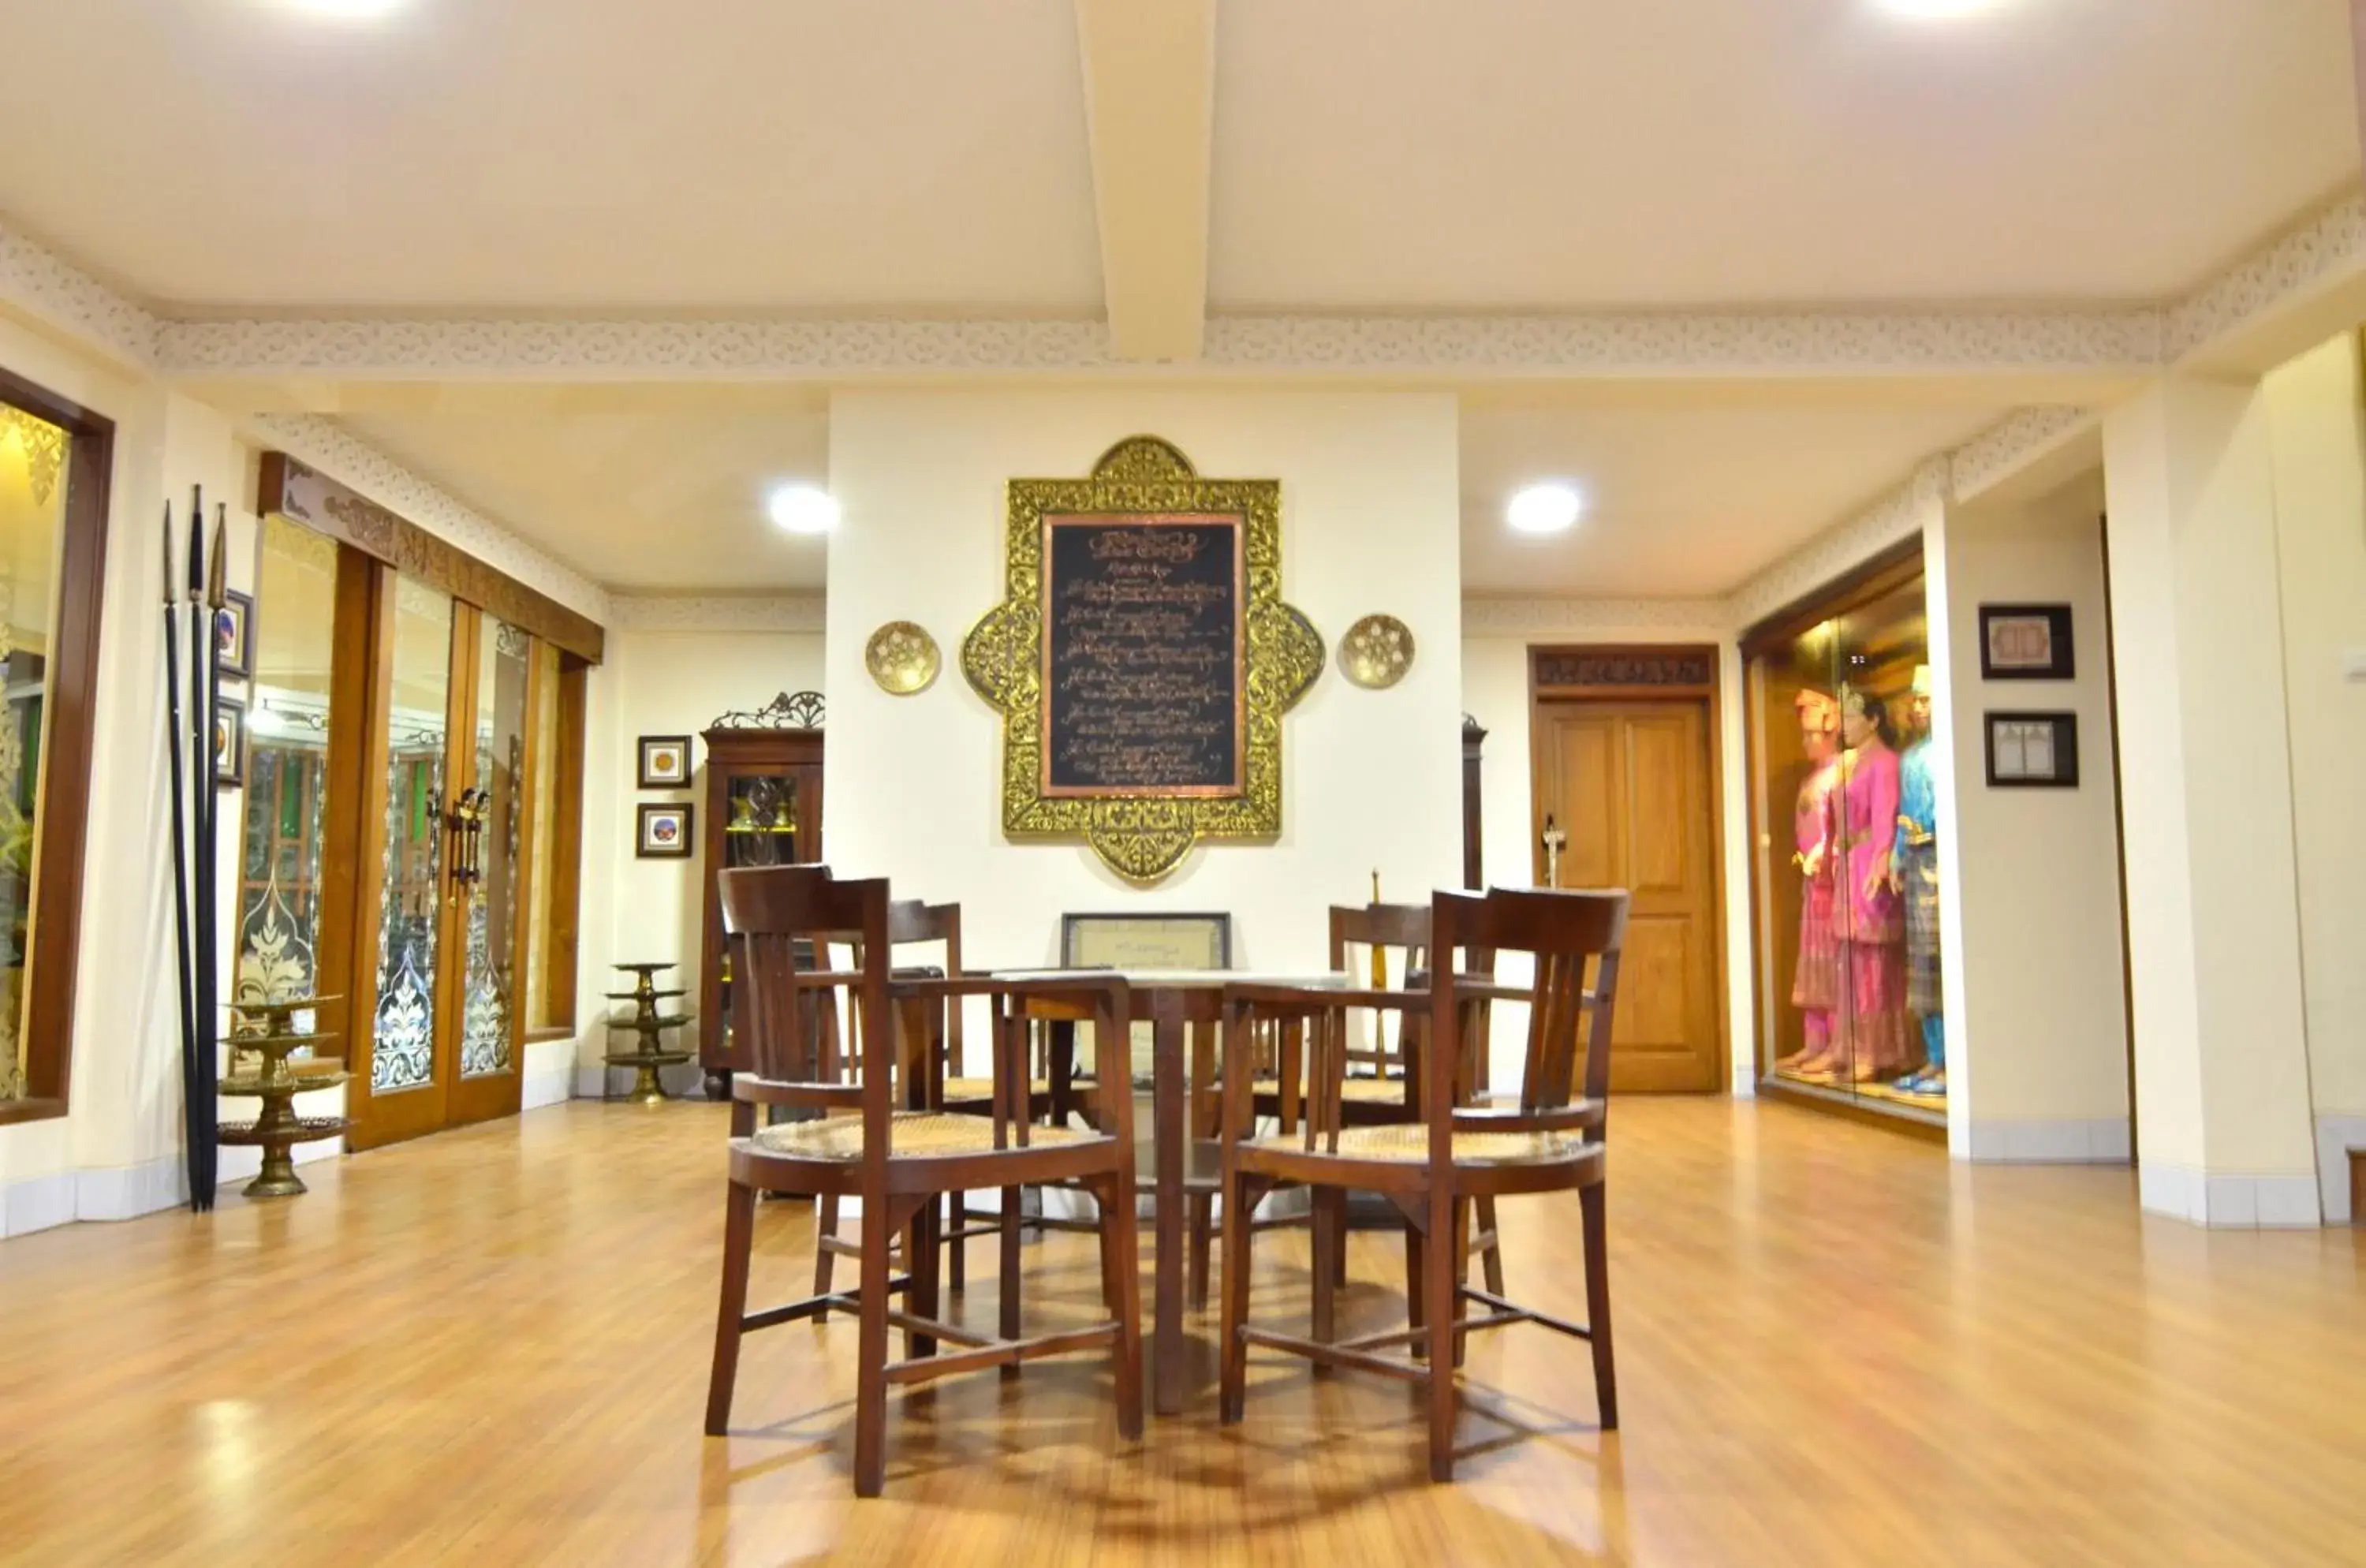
x=2320, y=479
x=1495, y=693
x=661, y=682
x=2037, y=1025
x=1370, y=779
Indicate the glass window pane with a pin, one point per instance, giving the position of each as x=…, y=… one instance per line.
x=499, y=778
x=33, y=517
x=545, y=826
x=403, y=1054
x=279, y=912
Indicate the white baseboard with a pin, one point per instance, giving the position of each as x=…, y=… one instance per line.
x=545, y=1089
x=2230, y=1200
x=36, y=1204
x=2099, y=1140
x=2336, y=1136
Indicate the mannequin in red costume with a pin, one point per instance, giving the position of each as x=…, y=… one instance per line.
x=1868, y=917
x=1816, y=984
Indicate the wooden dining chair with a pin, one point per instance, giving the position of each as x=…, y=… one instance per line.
x=1432, y=1170
x=897, y=1161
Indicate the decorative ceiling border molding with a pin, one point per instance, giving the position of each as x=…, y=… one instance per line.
x=2003, y=450
x=336, y=452
x=1895, y=516
x=45, y=286
x=2332, y=241
x=1648, y=618
x=717, y=612
x=1649, y=344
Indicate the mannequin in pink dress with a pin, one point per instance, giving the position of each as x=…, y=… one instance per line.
x=1815, y=984
x=1868, y=917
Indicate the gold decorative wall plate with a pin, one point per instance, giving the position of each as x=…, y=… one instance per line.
x=1142, y=658
x=1375, y=653
x=902, y=658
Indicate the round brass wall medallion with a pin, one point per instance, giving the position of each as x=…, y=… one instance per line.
x=902, y=658
x=1375, y=653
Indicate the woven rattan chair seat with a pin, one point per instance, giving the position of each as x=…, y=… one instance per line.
x=1360, y=1091
x=1409, y=1143
x=913, y=1132
x=983, y=1088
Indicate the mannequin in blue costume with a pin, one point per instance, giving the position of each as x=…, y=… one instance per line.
x=1914, y=872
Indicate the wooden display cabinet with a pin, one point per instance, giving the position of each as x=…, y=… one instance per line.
x=763, y=808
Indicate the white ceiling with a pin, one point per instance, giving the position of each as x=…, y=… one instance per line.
x=663, y=492
x=1682, y=499
x=1604, y=153
x=931, y=155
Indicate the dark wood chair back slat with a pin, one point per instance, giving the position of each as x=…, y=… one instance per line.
x=1575, y=938
x=783, y=921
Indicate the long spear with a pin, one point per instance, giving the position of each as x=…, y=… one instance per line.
x=210, y=881
x=201, y=823
x=191, y=1104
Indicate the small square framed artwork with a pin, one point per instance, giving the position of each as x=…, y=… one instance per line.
x=2026, y=642
x=662, y=833
x=2032, y=750
x=665, y=762
x=234, y=635
x=230, y=743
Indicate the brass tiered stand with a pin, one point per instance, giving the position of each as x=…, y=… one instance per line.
x=259, y=1070
x=647, y=1023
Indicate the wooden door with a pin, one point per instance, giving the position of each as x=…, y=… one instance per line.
x=1629, y=782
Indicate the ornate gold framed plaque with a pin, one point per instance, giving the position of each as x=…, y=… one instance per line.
x=1142, y=658
x=1375, y=653
x=902, y=658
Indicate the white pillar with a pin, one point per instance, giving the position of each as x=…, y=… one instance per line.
x=2222, y=1114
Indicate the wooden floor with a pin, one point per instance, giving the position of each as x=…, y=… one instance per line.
x=491, y=1347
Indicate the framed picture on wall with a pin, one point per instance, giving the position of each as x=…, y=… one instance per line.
x=662, y=833
x=2032, y=750
x=234, y=635
x=665, y=762
x=1146, y=940
x=229, y=744
x=2025, y=642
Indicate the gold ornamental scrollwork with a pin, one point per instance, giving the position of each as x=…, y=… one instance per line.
x=1143, y=837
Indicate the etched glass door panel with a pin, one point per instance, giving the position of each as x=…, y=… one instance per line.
x=402, y=1056
x=497, y=778
x=280, y=915
x=762, y=826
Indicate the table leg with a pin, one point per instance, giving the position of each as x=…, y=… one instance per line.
x=1167, y=1091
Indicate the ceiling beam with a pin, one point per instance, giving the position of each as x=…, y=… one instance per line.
x=1150, y=70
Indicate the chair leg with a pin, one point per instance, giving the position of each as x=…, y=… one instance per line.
x=1493, y=1258
x=1339, y=1257
x=957, y=1250
x=1414, y=1275
x=1203, y=1220
x=738, y=1241
x=1234, y=1359
x=1597, y=1301
x=1118, y=1244
x=1327, y=1242
x=825, y=1261
x=1461, y=1255
x=1440, y=1269
x=1010, y=1271
x=921, y=1257
x=870, y=1371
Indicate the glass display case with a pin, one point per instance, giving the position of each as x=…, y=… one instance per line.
x=1846, y=873
x=763, y=807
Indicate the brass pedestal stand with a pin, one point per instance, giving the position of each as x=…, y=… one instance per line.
x=259, y=1070
x=646, y=1023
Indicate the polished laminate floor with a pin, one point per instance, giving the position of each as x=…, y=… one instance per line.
x=490, y=1347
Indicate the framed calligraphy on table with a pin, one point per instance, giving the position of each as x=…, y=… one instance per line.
x=1142, y=658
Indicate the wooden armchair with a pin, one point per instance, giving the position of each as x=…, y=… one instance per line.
x=1432, y=1170
x=897, y=1161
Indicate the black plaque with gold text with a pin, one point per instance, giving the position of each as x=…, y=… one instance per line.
x=1144, y=655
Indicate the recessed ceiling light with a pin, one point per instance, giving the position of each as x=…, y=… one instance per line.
x=358, y=9
x=803, y=509
x=1549, y=508
x=1939, y=10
